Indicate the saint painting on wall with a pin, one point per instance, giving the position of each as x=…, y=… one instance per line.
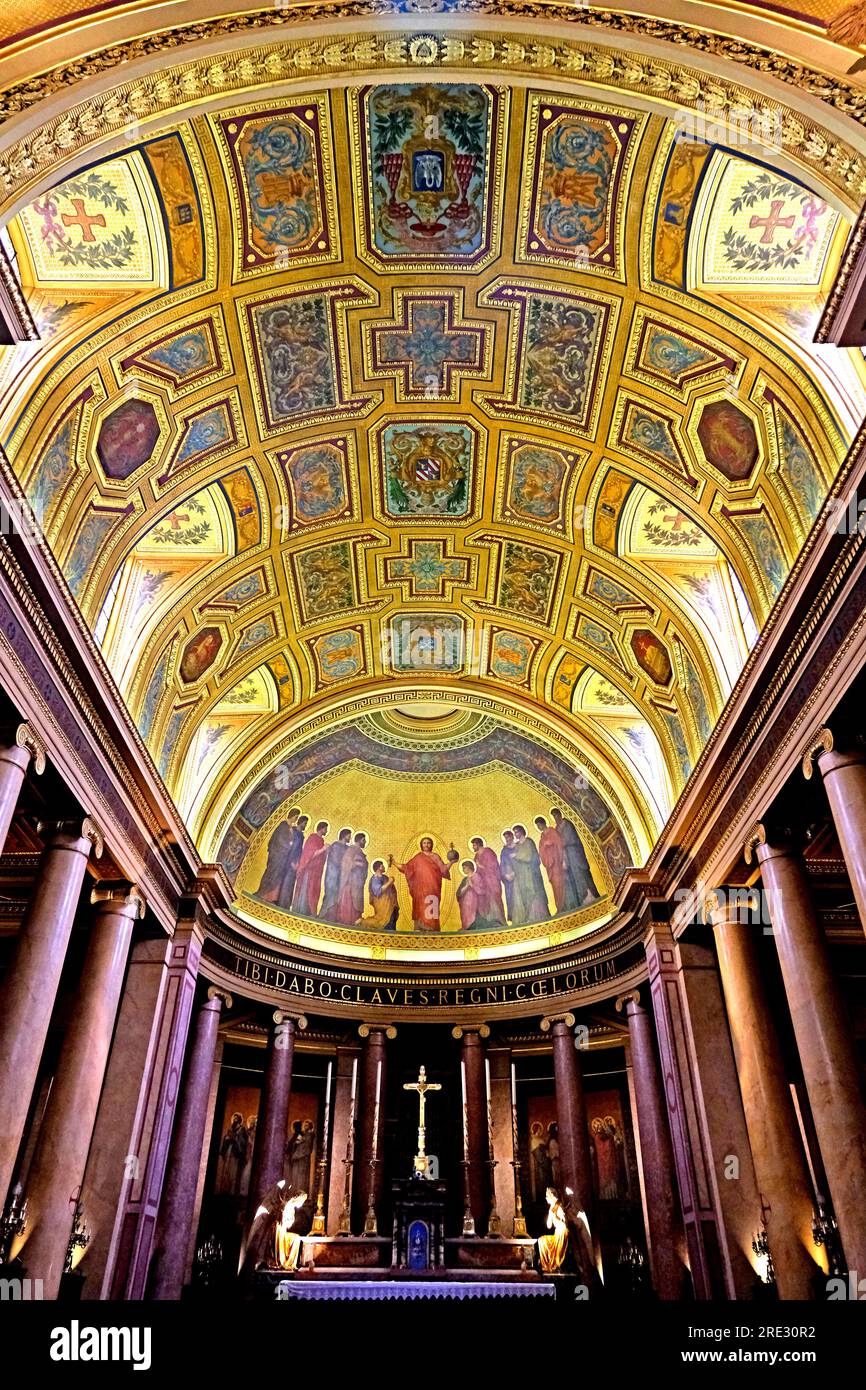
x=538, y=871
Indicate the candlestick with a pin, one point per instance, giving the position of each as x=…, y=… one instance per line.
x=370, y=1227
x=318, y=1226
x=465, y=1116
x=518, y=1229
x=494, y=1223
x=345, y=1226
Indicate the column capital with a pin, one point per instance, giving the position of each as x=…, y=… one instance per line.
x=81, y=828
x=731, y=903
x=26, y=737
x=480, y=1028
x=631, y=996
x=769, y=840
x=215, y=993
x=848, y=749
x=567, y=1019
x=297, y=1020
x=822, y=742
x=116, y=895
x=365, y=1029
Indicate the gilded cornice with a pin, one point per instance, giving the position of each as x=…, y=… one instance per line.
x=588, y=61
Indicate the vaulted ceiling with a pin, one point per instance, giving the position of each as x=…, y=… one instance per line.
x=489, y=397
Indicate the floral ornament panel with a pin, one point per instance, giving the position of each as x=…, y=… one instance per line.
x=98, y=227
x=573, y=207
x=761, y=228
x=558, y=350
x=298, y=343
x=430, y=160
x=281, y=179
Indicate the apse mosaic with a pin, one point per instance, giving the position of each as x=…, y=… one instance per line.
x=433, y=390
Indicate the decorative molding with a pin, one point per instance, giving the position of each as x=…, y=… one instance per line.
x=586, y=60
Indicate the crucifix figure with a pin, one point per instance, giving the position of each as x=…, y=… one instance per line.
x=422, y=1086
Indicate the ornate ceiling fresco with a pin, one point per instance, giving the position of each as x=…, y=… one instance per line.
x=426, y=452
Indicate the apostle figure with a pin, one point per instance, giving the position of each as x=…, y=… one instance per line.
x=539, y=1162
x=233, y=1155
x=506, y=869
x=252, y=1125
x=279, y=846
x=299, y=1151
x=384, y=907
x=551, y=855
x=353, y=878
x=424, y=873
x=580, y=887
x=333, y=871
x=488, y=883
x=311, y=866
x=293, y=859
x=606, y=1158
x=530, y=898
x=553, y=1150
x=468, y=895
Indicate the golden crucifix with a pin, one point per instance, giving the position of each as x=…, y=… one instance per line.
x=422, y=1086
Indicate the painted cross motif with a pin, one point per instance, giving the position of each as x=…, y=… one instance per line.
x=427, y=346
x=82, y=219
x=427, y=569
x=771, y=222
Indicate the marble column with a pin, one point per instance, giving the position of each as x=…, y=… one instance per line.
x=844, y=772
x=472, y=1066
x=273, y=1121
x=178, y=1202
x=719, y=1195
x=777, y=1150
x=123, y=1181
x=664, y=1222
x=15, y=756
x=572, y=1124
x=824, y=1038
x=369, y=1177
x=57, y=1171
x=30, y=985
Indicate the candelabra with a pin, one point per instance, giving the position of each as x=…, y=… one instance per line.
x=79, y=1239
x=631, y=1260
x=761, y=1248
x=468, y=1218
x=318, y=1226
x=13, y=1221
x=207, y=1257
x=344, y=1227
x=825, y=1232
x=518, y=1229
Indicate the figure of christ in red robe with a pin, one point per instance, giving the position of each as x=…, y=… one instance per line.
x=311, y=866
x=424, y=874
x=488, y=883
x=552, y=856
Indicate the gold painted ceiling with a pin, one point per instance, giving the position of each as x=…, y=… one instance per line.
x=492, y=402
